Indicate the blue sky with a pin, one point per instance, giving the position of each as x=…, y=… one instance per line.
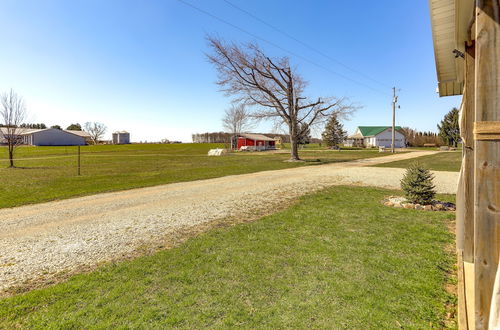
x=140, y=65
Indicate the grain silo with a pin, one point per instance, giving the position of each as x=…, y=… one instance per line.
x=121, y=137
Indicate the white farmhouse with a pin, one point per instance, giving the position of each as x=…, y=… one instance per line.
x=375, y=136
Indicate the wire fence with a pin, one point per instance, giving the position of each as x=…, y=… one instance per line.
x=101, y=161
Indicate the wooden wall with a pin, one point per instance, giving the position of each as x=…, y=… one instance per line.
x=486, y=157
x=478, y=198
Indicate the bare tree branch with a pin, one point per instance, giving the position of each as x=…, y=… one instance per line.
x=236, y=120
x=96, y=131
x=13, y=113
x=271, y=87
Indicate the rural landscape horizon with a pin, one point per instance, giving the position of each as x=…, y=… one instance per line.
x=143, y=76
x=266, y=164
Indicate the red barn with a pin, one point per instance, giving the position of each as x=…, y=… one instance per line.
x=255, y=142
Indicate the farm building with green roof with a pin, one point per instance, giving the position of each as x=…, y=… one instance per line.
x=375, y=136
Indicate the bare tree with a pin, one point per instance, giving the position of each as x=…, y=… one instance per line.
x=96, y=131
x=236, y=120
x=270, y=85
x=13, y=113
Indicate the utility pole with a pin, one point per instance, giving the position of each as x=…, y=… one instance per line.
x=394, y=101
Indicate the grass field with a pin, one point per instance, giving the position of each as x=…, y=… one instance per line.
x=317, y=146
x=443, y=161
x=48, y=173
x=336, y=259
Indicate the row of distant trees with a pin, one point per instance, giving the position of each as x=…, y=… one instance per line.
x=73, y=127
x=448, y=132
x=13, y=115
x=416, y=138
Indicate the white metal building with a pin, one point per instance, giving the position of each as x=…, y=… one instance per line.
x=375, y=136
x=48, y=137
x=86, y=135
x=52, y=137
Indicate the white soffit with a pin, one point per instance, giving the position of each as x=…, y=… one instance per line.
x=450, y=23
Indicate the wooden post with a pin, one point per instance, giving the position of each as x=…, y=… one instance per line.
x=465, y=198
x=468, y=154
x=486, y=158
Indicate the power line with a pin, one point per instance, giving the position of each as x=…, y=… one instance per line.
x=304, y=44
x=279, y=47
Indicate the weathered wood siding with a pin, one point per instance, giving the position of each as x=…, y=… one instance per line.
x=486, y=158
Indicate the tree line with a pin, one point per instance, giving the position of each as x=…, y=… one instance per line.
x=72, y=127
x=416, y=138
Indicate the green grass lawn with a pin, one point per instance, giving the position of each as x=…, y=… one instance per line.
x=336, y=259
x=443, y=161
x=48, y=173
x=318, y=146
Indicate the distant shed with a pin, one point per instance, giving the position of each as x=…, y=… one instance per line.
x=257, y=142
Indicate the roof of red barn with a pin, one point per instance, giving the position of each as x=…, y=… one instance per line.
x=257, y=137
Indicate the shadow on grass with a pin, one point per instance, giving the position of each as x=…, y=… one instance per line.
x=318, y=161
x=33, y=167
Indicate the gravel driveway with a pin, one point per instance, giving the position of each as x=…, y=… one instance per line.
x=39, y=241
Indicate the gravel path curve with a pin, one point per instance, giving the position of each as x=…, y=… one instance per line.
x=42, y=240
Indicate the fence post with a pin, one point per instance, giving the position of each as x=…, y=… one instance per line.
x=78, y=160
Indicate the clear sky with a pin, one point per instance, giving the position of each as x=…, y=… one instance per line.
x=140, y=65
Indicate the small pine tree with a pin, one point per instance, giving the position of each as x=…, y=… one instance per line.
x=417, y=184
x=334, y=132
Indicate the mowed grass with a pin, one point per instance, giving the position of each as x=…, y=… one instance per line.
x=48, y=173
x=443, y=161
x=336, y=259
x=318, y=146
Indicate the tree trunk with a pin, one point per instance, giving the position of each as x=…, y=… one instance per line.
x=294, y=151
x=11, y=157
